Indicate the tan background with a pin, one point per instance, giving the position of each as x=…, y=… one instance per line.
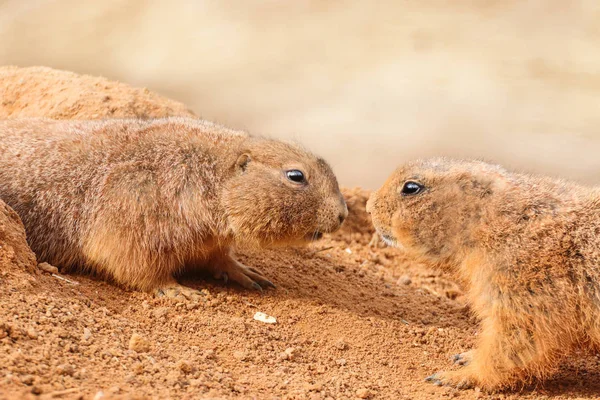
x=366, y=84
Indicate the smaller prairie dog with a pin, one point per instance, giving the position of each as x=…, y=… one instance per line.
x=526, y=247
x=141, y=201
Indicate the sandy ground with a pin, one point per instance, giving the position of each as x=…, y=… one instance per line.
x=46, y=92
x=366, y=84
x=354, y=320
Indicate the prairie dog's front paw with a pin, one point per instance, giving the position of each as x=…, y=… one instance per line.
x=457, y=379
x=248, y=277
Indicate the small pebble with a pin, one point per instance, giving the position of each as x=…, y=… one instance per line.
x=87, y=334
x=341, y=362
x=184, y=366
x=99, y=395
x=240, y=355
x=65, y=369
x=48, y=268
x=160, y=312
x=209, y=354
x=341, y=345
x=81, y=374
x=139, y=344
x=138, y=368
x=267, y=319
x=32, y=333
x=404, y=280
x=363, y=393
x=291, y=353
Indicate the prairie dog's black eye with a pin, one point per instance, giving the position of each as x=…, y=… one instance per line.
x=411, y=188
x=295, y=175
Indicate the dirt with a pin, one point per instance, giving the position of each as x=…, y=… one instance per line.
x=51, y=93
x=354, y=319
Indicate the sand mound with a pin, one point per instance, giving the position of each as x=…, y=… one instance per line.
x=14, y=251
x=46, y=92
x=353, y=321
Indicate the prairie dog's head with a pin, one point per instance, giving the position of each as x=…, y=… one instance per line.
x=281, y=194
x=430, y=207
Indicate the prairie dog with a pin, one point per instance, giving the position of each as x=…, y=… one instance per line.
x=526, y=247
x=139, y=201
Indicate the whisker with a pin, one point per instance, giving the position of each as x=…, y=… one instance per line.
x=320, y=250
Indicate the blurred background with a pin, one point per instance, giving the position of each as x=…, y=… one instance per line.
x=366, y=84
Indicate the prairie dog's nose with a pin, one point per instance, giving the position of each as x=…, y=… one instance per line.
x=336, y=212
x=343, y=214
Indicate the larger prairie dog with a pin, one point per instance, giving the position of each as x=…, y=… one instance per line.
x=526, y=247
x=139, y=201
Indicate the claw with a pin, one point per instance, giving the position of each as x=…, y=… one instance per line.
x=228, y=269
x=434, y=379
x=464, y=385
x=267, y=283
x=454, y=379
x=462, y=359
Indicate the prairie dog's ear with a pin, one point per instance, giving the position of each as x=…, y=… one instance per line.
x=242, y=162
x=488, y=182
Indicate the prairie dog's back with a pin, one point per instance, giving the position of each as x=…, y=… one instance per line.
x=36, y=177
x=57, y=175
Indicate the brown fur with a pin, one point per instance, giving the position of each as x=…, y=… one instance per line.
x=139, y=201
x=527, y=249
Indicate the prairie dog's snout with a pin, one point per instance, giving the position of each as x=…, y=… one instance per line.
x=371, y=202
x=383, y=232
x=373, y=207
x=333, y=213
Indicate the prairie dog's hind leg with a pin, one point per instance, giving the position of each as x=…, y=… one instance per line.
x=223, y=266
x=133, y=265
x=507, y=353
